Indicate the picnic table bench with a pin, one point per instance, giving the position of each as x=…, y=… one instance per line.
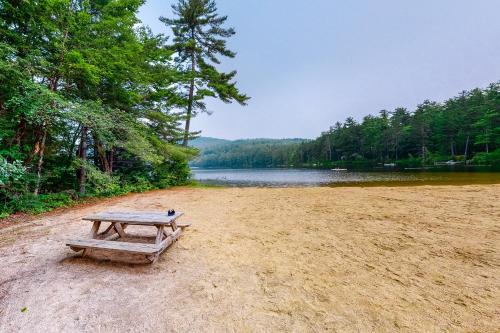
x=119, y=221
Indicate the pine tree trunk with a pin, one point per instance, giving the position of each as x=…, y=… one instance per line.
x=73, y=143
x=466, y=149
x=99, y=153
x=190, y=98
x=329, y=150
x=82, y=154
x=396, y=148
x=188, y=114
x=20, y=132
x=422, y=137
x=103, y=160
x=111, y=157
x=40, y=159
x=423, y=154
x=38, y=132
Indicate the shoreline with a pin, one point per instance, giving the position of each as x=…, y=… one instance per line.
x=18, y=217
x=23, y=217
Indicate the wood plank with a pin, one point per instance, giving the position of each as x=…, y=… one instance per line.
x=140, y=248
x=183, y=224
x=137, y=218
x=76, y=249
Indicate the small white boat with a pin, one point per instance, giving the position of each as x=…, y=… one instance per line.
x=339, y=169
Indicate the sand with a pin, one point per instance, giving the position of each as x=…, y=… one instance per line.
x=405, y=259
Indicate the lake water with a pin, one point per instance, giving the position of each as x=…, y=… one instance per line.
x=312, y=177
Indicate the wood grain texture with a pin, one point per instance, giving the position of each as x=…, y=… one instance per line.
x=95, y=229
x=119, y=230
x=137, y=218
x=140, y=248
x=159, y=235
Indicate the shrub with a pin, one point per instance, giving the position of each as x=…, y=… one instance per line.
x=10, y=172
x=492, y=158
x=36, y=204
x=13, y=182
x=99, y=183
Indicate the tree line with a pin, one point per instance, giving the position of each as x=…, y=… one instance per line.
x=464, y=129
x=92, y=102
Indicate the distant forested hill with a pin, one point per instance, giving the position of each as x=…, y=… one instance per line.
x=207, y=142
x=250, y=153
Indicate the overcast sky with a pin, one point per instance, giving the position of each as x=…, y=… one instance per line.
x=308, y=64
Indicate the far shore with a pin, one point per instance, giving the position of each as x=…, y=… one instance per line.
x=349, y=259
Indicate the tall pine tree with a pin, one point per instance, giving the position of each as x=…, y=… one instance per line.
x=199, y=41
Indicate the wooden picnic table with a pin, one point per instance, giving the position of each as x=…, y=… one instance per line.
x=119, y=221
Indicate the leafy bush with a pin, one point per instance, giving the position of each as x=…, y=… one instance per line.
x=10, y=172
x=12, y=182
x=140, y=184
x=492, y=158
x=411, y=161
x=36, y=204
x=99, y=183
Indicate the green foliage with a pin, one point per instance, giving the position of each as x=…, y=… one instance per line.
x=10, y=172
x=89, y=100
x=171, y=173
x=13, y=179
x=492, y=158
x=35, y=103
x=36, y=204
x=99, y=183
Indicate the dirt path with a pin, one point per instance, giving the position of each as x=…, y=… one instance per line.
x=308, y=259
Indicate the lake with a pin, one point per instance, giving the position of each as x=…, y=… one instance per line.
x=314, y=177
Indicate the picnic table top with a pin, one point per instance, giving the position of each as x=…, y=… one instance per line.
x=144, y=218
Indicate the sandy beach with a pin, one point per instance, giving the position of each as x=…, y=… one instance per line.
x=383, y=259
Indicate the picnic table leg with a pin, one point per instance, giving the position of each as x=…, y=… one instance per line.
x=119, y=230
x=105, y=232
x=153, y=257
x=173, y=225
x=159, y=238
x=95, y=229
x=94, y=232
x=159, y=234
x=114, y=230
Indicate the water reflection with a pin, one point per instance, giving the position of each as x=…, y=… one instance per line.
x=308, y=177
